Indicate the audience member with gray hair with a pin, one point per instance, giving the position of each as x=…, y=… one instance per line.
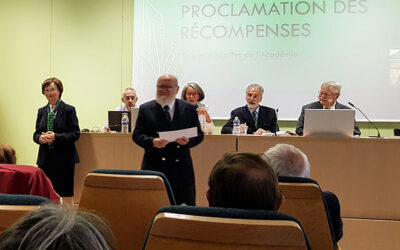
x=327, y=99
x=287, y=160
x=259, y=119
x=56, y=227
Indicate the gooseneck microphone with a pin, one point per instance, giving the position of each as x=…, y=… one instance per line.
x=379, y=134
x=276, y=123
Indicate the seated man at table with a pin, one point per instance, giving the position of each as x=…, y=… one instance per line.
x=327, y=99
x=259, y=119
x=129, y=98
x=287, y=160
x=7, y=154
x=243, y=180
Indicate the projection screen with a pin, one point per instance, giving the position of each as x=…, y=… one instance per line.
x=288, y=47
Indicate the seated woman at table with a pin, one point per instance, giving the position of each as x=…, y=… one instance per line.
x=194, y=94
x=57, y=130
x=7, y=154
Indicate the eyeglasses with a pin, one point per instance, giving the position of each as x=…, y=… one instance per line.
x=50, y=90
x=327, y=94
x=166, y=87
x=130, y=98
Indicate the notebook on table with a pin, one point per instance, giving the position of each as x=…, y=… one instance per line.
x=115, y=117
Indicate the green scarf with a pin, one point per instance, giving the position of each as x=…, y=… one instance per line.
x=50, y=117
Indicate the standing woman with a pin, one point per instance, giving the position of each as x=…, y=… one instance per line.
x=57, y=130
x=194, y=94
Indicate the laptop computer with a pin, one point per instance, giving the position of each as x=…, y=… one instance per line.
x=114, y=120
x=329, y=122
x=115, y=117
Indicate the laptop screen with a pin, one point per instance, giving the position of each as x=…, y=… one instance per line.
x=329, y=123
x=114, y=120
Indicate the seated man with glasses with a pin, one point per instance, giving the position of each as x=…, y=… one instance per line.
x=328, y=95
x=129, y=98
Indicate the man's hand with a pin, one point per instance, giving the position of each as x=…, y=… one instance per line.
x=182, y=141
x=261, y=131
x=159, y=143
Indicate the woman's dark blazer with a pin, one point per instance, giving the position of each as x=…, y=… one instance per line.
x=66, y=128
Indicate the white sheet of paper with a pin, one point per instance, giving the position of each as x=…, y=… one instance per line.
x=175, y=134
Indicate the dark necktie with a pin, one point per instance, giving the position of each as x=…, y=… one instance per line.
x=167, y=114
x=255, y=118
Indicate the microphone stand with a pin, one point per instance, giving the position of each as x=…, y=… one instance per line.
x=276, y=123
x=369, y=121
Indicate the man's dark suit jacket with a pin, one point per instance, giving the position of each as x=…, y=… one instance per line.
x=67, y=132
x=333, y=208
x=317, y=105
x=266, y=120
x=173, y=160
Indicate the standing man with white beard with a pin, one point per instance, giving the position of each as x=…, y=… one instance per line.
x=329, y=93
x=167, y=113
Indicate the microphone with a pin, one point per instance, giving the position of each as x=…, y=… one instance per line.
x=379, y=134
x=276, y=124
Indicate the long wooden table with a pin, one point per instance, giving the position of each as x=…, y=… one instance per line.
x=362, y=172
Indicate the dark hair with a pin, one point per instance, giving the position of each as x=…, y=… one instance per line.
x=54, y=80
x=244, y=180
x=7, y=154
x=194, y=86
x=57, y=227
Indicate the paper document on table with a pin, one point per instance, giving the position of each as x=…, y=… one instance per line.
x=175, y=134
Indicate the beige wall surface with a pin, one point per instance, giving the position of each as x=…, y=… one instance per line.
x=88, y=45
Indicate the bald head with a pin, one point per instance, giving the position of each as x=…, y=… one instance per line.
x=167, y=88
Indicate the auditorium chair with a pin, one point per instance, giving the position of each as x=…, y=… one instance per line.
x=14, y=206
x=127, y=200
x=303, y=200
x=396, y=132
x=213, y=228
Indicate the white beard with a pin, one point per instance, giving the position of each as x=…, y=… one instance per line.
x=162, y=100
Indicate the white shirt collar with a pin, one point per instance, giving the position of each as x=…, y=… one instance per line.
x=171, y=108
x=251, y=110
x=331, y=107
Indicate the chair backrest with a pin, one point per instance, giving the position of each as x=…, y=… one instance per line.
x=396, y=131
x=303, y=200
x=14, y=206
x=185, y=227
x=128, y=200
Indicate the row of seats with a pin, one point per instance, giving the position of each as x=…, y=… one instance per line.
x=140, y=208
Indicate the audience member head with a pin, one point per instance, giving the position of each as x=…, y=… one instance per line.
x=193, y=93
x=129, y=98
x=287, y=160
x=57, y=227
x=243, y=180
x=254, y=94
x=167, y=88
x=7, y=154
x=329, y=93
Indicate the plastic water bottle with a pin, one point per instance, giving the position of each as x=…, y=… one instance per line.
x=236, y=126
x=124, y=123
